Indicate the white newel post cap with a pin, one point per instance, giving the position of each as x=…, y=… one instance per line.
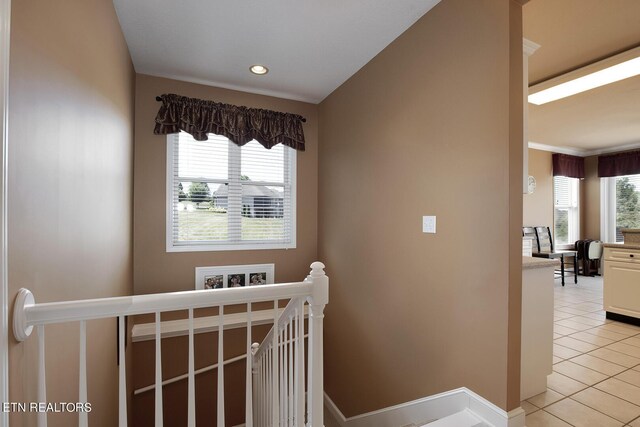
x=317, y=269
x=320, y=293
x=20, y=329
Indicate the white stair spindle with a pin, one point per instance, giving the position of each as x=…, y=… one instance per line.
x=281, y=377
x=83, y=420
x=191, y=385
x=291, y=344
x=122, y=386
x=255, y=386
x=42, y=382
x=300, y=391
x=158, y=400
x=275, y=414
x=285, y=380
x=221, y=367
x=248, y=417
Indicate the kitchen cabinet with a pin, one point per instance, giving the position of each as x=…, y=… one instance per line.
x=622, y=282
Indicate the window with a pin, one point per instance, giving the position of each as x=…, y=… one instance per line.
x=621, y=206
x=224, y=197
x=566, y=211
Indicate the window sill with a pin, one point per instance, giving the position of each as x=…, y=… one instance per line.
x=218, y=248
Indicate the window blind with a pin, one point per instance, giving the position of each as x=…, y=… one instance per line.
x=223, y=197
x=566, y=214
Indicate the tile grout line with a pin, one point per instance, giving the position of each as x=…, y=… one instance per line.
x=580, y=319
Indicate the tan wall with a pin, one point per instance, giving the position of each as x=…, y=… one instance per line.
x=590, y=200
x=70, y=179
x=155, y=270
x=425, y=129
x=538, y=207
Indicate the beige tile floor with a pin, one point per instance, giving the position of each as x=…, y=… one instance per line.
x=596, y=372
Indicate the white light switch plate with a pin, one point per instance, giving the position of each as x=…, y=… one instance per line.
x=429, y=224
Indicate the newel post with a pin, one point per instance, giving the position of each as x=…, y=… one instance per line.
x=318, y=299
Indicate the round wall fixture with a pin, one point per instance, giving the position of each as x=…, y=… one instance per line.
x=259, y=69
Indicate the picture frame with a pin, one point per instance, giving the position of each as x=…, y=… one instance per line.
x=227, y=276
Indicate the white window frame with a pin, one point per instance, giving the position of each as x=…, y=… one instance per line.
x=234, y=164
x=608, y=209
x=608, y=205
x=574, y=219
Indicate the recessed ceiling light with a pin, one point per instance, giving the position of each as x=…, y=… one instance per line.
x=602, y=73
x=259, y=69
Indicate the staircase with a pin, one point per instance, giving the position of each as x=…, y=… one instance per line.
x=284, y=383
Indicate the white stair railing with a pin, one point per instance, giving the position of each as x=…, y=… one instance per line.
x=275, y=389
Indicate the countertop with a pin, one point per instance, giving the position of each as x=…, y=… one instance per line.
x=529, y=262
x=622, y=245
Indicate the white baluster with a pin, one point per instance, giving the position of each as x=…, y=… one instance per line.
x=284, y=403
x=191, y=382
x=42, y=381
x=83, y=420
x=267, y=388
x=317, y=301
x=221, y=367
x=275, y=420
x=158, y=401
x=300, y=391
x=122, y=386
x=248, y=417
x=256, y=384
x=291, y=344
x=281, y=377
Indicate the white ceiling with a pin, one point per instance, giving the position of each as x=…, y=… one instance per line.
x=310, y=47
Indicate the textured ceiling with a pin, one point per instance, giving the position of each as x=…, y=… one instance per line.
x=310, y=47
x=574, y=33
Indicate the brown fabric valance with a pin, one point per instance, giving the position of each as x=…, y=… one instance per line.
x=619, y=164
x=566, y=165
x=240, y=124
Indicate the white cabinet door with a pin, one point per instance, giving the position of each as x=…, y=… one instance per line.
x=622, y=288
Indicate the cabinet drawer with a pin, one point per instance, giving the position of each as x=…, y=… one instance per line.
x=622, y=254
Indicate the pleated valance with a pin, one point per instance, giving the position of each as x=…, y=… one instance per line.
x=566, y=165
x=199, y=117
x=619, y=164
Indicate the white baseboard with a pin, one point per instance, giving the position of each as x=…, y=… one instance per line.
x=428, y=409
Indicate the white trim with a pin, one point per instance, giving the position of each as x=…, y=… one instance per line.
x=582, y=152
x=554, y=149
x=615, y=149
x=605, y=210
x=239, y=88
x=5, y=32
x=428, y=409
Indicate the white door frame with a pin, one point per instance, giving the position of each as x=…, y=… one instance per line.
x=5, y=26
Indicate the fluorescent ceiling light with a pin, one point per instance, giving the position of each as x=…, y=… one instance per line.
x=612, y=74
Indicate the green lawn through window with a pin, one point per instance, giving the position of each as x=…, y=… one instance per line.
x=204, y=225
